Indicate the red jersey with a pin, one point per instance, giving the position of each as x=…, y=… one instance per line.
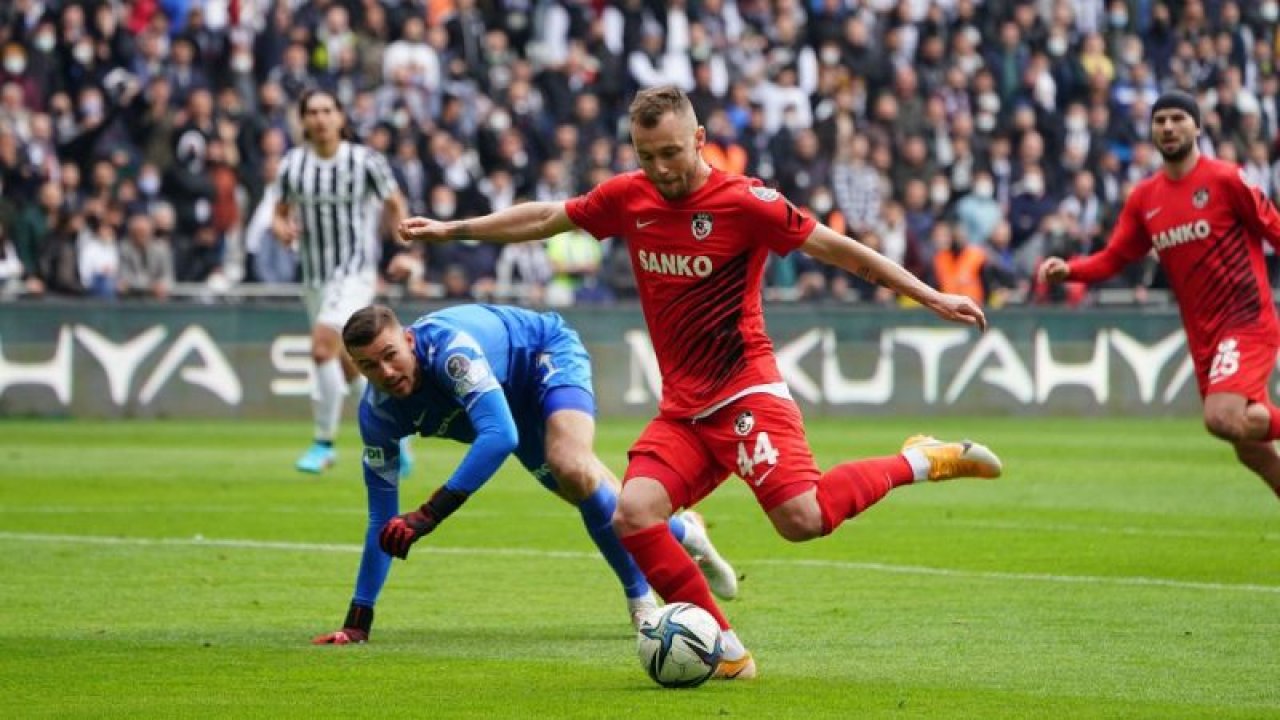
x=699, y=263
x=1207, y=229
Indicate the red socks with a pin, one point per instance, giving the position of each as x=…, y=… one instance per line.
x=670, y=570
x=848, y=489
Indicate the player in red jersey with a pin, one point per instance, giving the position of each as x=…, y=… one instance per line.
x=1206, y=225
x=698, y=240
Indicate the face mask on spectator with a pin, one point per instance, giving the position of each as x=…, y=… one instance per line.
x=83, y=53
x=44, y=42
x=820, y=204
x=985, y=122
x=939, y=194
x=1075, y=123
x=1033, y=184
x=1119, y=19
x=15, y=64
x=91, y=108
x=1269, y=11
x=989, y=101
x=983, y=189
x=149, y=184
x=444, y=209
x=241, y=63
x=830, y=55
x=499, y=121
x=1057, y=46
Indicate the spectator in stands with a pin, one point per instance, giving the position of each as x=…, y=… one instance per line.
x=146, y=263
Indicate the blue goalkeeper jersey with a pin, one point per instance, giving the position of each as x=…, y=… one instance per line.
x=485, y=374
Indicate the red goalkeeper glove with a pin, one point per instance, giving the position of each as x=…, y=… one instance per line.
x=355, y=629
x=402, y=531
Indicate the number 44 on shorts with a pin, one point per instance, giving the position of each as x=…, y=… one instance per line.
x=764, y=453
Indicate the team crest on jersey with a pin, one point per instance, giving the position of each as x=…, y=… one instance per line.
x=701, y=225
x=744, y=423
x=764, y=193
x=457, y=366
x=1200, y=198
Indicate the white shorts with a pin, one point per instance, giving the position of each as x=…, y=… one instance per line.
x=334, y=302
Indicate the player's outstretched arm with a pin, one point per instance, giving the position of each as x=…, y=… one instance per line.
x=518, y=223
x=383, y=499
x=848, y=254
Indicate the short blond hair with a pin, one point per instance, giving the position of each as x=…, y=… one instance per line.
x=651, y=104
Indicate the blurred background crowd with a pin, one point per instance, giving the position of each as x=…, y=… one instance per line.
x=965, y=139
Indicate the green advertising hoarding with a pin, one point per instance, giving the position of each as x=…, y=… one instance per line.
x=252, y=360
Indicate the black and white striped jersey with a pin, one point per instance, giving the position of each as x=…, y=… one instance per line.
x=338, y=202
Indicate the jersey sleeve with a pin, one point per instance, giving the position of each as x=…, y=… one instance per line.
x=1128, y=243
x=1254, y=209
x=782, y=226
x=463, y=368
x=382, y=182
x=600, y=211
x=381, y=465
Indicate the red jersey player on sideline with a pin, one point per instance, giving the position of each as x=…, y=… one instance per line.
x=698, y=240
x=1206, y=224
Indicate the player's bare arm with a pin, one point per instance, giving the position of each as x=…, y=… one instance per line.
x=516, y=224
x=394, y=212
x=283, y=226
x=848, y=254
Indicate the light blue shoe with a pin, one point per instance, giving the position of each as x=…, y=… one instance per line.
x=316, y=459
x=406, y=458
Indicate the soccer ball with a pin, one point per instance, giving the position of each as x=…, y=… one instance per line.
x=679, y=645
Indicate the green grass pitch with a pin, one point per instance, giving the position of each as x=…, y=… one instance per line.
x=1120, y=569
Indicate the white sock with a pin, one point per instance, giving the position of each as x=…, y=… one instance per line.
x=357, y=385
x=732, y=646
x=919, y=463
x=326, y=399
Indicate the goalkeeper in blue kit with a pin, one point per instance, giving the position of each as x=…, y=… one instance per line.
x=503, y=380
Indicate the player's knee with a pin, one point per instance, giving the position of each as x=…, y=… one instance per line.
x=638, y=510
x=1225, y=425
x=798, y=523
x=573, y=473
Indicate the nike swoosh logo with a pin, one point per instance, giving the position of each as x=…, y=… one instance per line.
x=1153, y=213
x=418, y=423
x=640, y=225
x=764, y=475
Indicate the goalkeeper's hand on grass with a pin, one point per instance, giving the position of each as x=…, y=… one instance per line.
x=355, y=628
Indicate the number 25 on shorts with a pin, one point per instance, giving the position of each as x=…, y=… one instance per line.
x=764, y=453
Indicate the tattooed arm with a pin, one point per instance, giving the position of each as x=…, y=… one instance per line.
x=848, y=254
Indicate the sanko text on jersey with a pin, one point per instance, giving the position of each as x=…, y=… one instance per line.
x=675, y=264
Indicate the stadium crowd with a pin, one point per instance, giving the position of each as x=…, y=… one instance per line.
x=965, y=139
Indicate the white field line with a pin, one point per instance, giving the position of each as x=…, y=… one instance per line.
x=200, y=541
x=1028, y=527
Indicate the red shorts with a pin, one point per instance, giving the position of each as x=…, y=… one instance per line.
x=1237, y=363
x=759, y=437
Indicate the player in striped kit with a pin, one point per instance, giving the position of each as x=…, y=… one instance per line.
x=331, y=190
x=1206, y=225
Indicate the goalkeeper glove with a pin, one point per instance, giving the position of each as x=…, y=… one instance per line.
x=402, y=531
x=355, y=629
